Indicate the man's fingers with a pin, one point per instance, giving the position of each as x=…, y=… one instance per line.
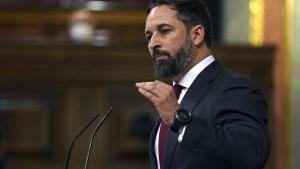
x=157, y=87
x=163, y=87
x=152, y=97
x=149, y=86
x=146, y=85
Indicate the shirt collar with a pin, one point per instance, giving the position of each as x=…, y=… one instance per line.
x=187, y=80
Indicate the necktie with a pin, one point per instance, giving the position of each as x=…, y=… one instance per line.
x=164, y=129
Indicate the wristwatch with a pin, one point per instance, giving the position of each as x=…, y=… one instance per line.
x=182, y=117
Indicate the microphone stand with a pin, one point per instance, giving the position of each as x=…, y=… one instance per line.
x=93, y=135
x=80, y=133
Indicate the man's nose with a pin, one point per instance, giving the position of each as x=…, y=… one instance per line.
x=154, y=42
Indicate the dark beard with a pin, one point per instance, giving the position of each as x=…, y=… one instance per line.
x=169, y=69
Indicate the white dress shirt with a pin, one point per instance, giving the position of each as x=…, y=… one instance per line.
x=186, y=81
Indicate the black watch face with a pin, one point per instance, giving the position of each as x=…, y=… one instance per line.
x=184, y=116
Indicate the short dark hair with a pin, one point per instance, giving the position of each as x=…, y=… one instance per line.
x=191, y=13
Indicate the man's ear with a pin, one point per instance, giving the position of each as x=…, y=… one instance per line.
x=197, y=34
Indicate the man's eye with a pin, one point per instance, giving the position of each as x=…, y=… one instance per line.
x=148, y=37
x=164, y=31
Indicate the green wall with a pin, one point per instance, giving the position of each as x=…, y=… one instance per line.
x=236, y=22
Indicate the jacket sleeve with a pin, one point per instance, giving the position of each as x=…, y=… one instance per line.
x=237, y=131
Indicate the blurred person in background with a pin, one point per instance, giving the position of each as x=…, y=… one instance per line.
x=81, y=27
x=211, y=118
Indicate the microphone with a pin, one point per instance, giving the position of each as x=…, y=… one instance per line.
x=79, y=134
x=93, y=135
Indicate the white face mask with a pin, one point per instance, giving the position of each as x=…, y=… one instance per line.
x=81, y=32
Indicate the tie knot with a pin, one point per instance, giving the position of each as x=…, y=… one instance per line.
x=177, y=89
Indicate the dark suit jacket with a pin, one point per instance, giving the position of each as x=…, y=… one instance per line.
x=228, y=128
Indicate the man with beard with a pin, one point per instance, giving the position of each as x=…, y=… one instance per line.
x=211, y=118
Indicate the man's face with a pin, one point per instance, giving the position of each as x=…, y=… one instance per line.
x=168, y=42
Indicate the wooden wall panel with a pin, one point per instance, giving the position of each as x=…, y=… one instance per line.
x=86, y=79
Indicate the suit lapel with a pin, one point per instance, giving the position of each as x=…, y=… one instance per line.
x=200, y=86
x=190, y=100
